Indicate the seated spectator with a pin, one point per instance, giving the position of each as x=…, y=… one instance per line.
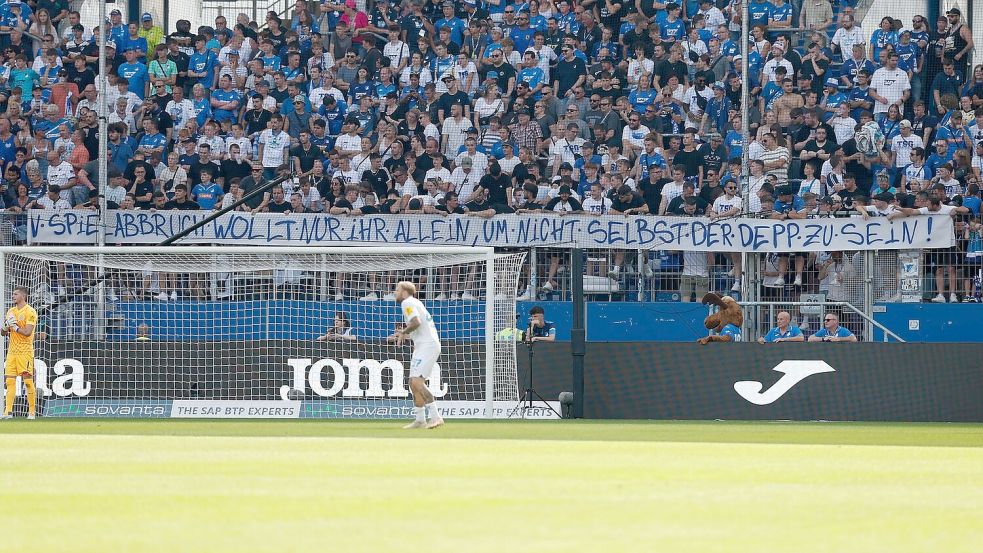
x=784, y=332
x=832, y=331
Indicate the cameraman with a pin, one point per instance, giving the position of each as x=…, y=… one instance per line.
x=542, y=330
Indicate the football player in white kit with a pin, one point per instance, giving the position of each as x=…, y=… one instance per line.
x=426, y=349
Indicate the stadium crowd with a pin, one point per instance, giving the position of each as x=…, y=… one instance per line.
x=500, y=106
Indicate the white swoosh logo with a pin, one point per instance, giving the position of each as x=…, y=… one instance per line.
x=794, y=372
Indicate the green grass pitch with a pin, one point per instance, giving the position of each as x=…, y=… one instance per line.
x=311, y=486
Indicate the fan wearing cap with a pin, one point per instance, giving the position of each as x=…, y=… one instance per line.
x=959, y=41
x=902, y=145
x=881, y=206
x=831, y=98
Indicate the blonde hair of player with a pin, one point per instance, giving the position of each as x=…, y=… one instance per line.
x=405, y=286
x=19, y=324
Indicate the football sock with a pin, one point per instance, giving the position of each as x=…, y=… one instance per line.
x=8, y=406
x=32, y=396
x=420, y=414
x=431, y=409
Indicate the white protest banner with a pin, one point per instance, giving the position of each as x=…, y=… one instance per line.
x=525, y=230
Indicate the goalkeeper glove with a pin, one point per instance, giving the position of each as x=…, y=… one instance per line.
x=10, y=323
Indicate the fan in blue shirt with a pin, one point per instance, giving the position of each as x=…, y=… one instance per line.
x=203, y=61
x=207, y=194
x=135, y=73
x=456, y=25
x=759, y=12
x=832, y=331
x=784, y=332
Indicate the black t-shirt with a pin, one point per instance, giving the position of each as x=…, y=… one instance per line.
x=713, y=159
x=369, y=210
x=194, y=175
x=690, y=160
x=187, y=205
x=81, y=78
x=497, y=187
x=234, y=169
x=567, y=73
x=636, y=201
x=142, y=189
x=307, y=157
x=855, y=167
x=379, y=181
x=676, y=206
x=274, y=207
x=256, y=121
x=557, y=204
x=456, y=211
x=652, y=192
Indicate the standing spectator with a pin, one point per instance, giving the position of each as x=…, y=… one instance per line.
x=847, y=36
x=775, y=157
x=958, y=41
x=889, y=86
x=274, y=145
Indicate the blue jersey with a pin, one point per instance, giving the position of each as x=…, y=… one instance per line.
x=781, y=13
x=139, y=44
x=642, y=99
x=204, y=63
x=457, y=29
x=831, y=102
x=851, y=67
x=206, y=195
x=673, y=31
x=136, y=74
x=908, y=55
x=774, y=334
x=734, y=143
x=357, y=90
x=8, y=149
x=881, y=39
x=231, y=95
x=548, y=329
x=857, y=93
x=647, y=160
x=760, y=12
x=203, y=111
x=522, y=38
x=153, y=141
x=533, y=76
x=272, y=63
x=732, y=331
x=798, y=204
x=840, y=332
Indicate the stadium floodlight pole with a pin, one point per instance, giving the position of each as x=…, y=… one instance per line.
x=102, y=114
x=245, y=198
x=578, y=334
x=745, y=185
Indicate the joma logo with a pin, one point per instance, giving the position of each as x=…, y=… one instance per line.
x=330, y=378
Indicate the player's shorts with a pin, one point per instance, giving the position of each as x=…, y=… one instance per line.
x=424, y=360
x=17, y=365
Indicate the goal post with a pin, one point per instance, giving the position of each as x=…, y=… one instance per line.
x=221, y=331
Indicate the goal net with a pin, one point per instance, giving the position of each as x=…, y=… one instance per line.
x=262, y=332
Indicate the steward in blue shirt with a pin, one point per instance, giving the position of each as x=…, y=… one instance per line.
x=832, y=331
x=784, y=332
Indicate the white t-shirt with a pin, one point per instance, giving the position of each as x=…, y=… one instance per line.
x=943, y=210
x=348, y=143
x=273, y=148
x=426, y=333
x=890, y=84
x=723, y=204
x=568, y=150
x=596, y=207
x=902, y=146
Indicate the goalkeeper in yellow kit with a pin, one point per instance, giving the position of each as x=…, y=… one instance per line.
x=19, y=325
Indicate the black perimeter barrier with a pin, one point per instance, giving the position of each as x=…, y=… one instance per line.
x=868, y=381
